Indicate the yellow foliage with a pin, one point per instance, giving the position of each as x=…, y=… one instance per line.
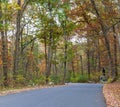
x=42, y=66
x=0, y=62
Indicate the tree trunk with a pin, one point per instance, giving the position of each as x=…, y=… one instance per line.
x=99, y=61
x=4, y=48
x=45, y=44
x=88, y=60
x=81, y=62
x=65, y=58
x=115, y=52
x=55, y=59
x=105, y=35
x=65, y=51
x=88, y=64
x=17, y=42
x=73, y=69
x=109, y=55
x=18, y=34
x=4, y=58
x=49, y=56
x=93, y=66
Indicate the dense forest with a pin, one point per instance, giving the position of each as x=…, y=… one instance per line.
x=59, y=41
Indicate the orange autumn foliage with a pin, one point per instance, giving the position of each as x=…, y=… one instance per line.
x=42, y=66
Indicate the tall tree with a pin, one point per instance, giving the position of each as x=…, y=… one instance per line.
x=105, y=34
x=4, y=46
x=18, y=34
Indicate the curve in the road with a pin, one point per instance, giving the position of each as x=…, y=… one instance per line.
x=73, y=95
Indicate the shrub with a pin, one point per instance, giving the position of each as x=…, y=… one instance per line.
x=20, y=80
x=95, y=77
x=55, y=79
x=41, y=80
x=73, y=79
x=82, y=78
x=79, y=78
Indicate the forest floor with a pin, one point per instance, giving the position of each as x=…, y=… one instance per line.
x=112, y=94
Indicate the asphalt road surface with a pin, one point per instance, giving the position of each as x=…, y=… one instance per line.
x=73, y=95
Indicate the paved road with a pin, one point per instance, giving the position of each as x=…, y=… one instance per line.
x=73, y=95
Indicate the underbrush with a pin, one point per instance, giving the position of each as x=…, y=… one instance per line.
x=78, y=78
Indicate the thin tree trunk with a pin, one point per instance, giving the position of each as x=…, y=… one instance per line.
x=49, y=56
x=17, y=42
x=115, y=52
x=4, y=58
x=73, y=69
x=88, y=60
x=18, y=34
x=45, y=44
x=77, y=61
x=65, y=58
x=88, y=64
x=99, y=62
x=55, y=59
x=93, y=61
x=4, y=49
x=81, y=62
x=65, y=51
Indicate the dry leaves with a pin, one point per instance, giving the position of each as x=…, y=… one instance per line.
x=112, y=94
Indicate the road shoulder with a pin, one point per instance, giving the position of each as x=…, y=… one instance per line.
x=22, y=89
